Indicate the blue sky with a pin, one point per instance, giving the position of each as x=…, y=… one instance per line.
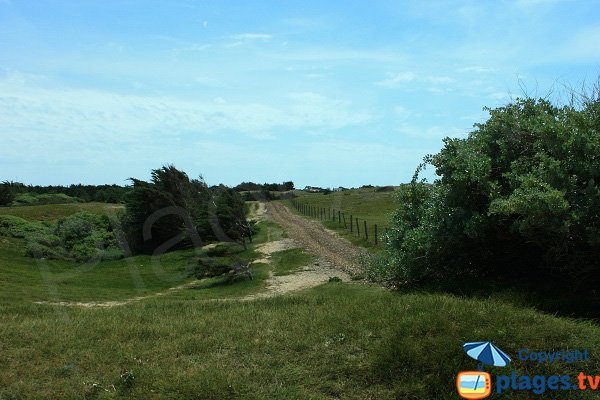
x=322, y=93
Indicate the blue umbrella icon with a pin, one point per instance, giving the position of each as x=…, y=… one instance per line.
x=487, y=353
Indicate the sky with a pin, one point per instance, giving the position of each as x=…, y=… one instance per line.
x=337, y=93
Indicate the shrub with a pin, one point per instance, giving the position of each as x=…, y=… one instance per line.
x=380, y=189
x=224, y=249
x=86, y=236
x=26, y=199
x=6, y=195
x=38, y=250
x=17, y=227
x=518, y=198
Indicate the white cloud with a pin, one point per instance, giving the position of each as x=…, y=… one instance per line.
x=194, y=47
x=439, y=79
x=402, y=78
x=402, y=112
x=534, y=3
x=252, y=36
x=398, y=79
x=478, y=69
x=39, y=121
x=430, y=132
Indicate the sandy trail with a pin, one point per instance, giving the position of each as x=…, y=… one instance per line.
x=336, y=257
x=315, y=238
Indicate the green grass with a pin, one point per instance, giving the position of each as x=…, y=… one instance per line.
x=268, y=232
x=287, y=262
x=338, y=340
x=364, y=204
x=60, y=280
x=334, y=341
x=53, y=212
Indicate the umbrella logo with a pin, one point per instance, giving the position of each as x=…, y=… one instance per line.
x=478, y=384
x=487, y=353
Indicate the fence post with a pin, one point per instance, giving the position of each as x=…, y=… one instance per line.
x=357, y=227
x=375, y=228
x=351, y=224
x=339, y=217
x=366, y=231
x=344, y=218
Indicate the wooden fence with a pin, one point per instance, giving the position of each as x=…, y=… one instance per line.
x=372, y=233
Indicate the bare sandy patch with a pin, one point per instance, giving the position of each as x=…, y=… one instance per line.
x=310, y=276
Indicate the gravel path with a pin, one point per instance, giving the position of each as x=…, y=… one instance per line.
x=338, y=252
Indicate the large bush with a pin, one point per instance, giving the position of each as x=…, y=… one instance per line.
x=518, y=198
x=85, y=236
x=81, y=237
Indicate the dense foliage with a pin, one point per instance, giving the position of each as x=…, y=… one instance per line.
x=81, y=237
x=30, y=195
x=6, y=195
x=29, y=199
x=172, y=211
x=518, y=198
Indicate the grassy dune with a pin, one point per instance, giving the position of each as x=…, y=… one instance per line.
x=338, y=340
x=52, y=212
x=365, y=204
x=375, y=207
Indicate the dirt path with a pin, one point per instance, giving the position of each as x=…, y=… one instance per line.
x=336, y=257
x=319, y=272
x=108, y=304
x=311, y=235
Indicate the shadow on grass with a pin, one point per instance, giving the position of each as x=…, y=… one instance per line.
x=554, y=297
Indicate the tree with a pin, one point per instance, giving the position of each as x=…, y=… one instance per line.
x=173, y=206
x=518, y=198
x=6, y=194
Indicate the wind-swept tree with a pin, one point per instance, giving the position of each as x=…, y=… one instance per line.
x=6, y=194
x=172, y=211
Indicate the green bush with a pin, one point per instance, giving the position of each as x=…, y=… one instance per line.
x=518, y=198
x=38, y=250
x=86, y=236
x=27, y=199
x=82, y=237
x=12, y=226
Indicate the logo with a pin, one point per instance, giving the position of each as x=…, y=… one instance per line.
x=478, y=384
x=474, y=384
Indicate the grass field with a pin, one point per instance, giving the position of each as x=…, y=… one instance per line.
x=53, y=212
x=338, y=340
x=364, y=204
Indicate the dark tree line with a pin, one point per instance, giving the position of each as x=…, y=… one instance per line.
x=85, y=193
x=272, y=187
